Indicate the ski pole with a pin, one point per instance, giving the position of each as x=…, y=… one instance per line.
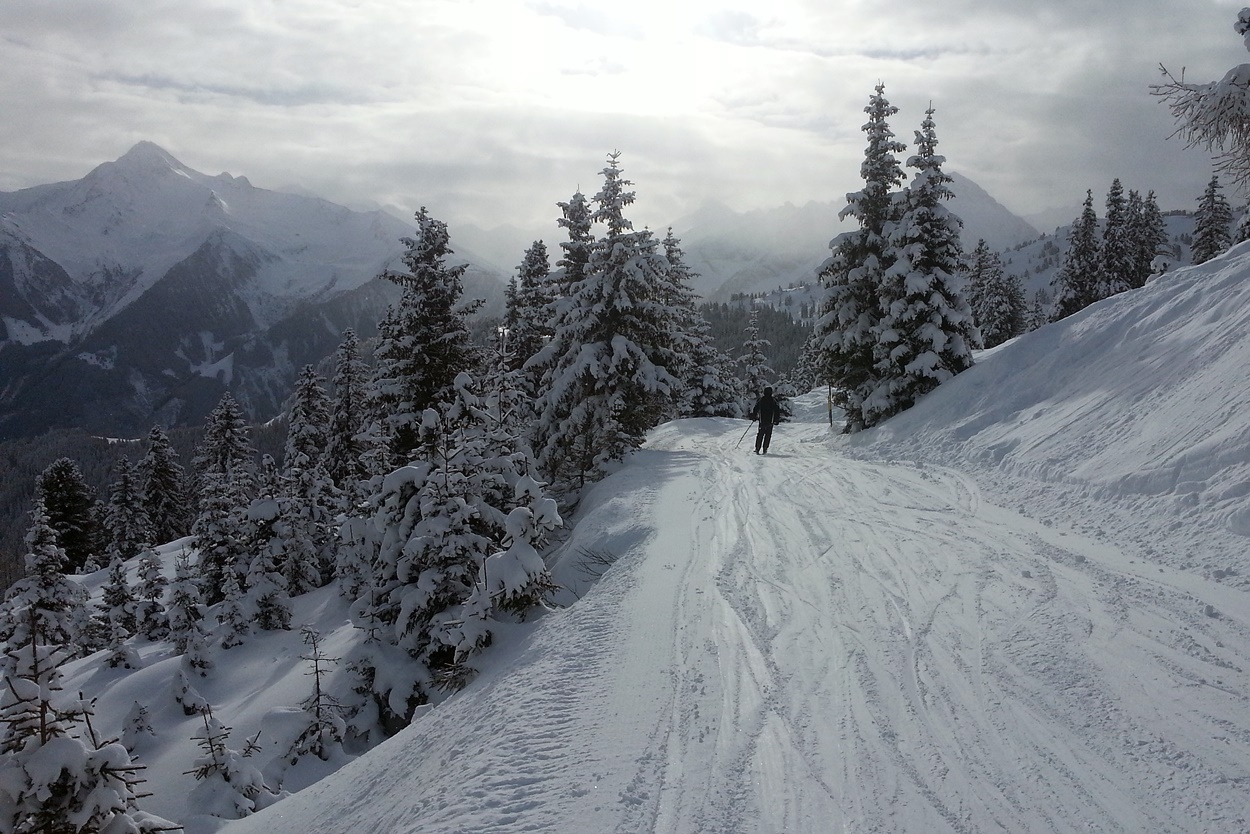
x=744, y=434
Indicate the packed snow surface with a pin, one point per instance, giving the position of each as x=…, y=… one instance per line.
x=1024, y=606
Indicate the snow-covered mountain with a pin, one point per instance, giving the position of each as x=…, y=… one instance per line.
x=140, y=292
x=1023, y=605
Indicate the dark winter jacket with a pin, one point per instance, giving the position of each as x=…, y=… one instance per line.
x=766, y=411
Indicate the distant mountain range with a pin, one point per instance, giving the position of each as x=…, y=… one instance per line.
x=141, y=292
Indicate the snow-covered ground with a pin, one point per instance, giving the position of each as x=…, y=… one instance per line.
x=1023, y=606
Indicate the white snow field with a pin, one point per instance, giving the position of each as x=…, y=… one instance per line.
x=1024, y=606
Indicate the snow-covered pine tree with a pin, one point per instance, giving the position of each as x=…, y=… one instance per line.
x=44, y=599
x=1212, y=224
x=606, y=381
x=996, y=299
x=117, y=599
x=185, y=610
x=56, y=774
x=1076, y=285
x=424, y=340
x=1150, y=237
x=231, y=787
x=575, y=216
x=224, y=446
x=221, y=530
x=926, y=333
x=528, y=316
x=236, y=614
x=126, y=523
x=853, y=274
x=153, y=621
x=308, y=502
x=345, y=449
x=69, y=509
x=756, y=372
x=163, y=485
x=1118, y=251
x=136, y=725
x=324, y=729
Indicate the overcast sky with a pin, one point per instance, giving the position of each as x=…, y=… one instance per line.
x=493, y=110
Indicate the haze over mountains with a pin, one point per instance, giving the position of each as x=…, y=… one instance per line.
x=141, y=292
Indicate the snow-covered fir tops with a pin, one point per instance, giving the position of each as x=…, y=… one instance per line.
x=893, y=326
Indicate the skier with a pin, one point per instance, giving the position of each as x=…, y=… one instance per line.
x=768, y=413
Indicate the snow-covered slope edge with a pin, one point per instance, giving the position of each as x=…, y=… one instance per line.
x=1143, y=399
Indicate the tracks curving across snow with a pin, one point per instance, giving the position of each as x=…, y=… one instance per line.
x=808, y=642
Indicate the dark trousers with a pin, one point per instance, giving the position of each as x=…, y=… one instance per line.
x=764, y=435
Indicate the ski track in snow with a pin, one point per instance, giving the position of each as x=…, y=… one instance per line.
x=823, y=644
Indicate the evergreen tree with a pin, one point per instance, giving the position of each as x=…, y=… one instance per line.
x=163, y=486
x=607, y=382
x=117, y=599
x=308, y=501
x=926, y=333
x=44, y=600
x=576, y=217
x=153, y=622
x=236, y=613
x=324, y=728
x=1151, y=238
x=186, y=608
x=854, y=273
x=56, y=775
x=345, y=448
x=228, y=772
x=69, y=508
x=1119, y=261
x=1211, y=224
x=224, y=446
x=1077, y=284
x=221, y=531
x=425, y=340
x=527, y=315
x=997, y=300
x=126, y=522
x=756, y=372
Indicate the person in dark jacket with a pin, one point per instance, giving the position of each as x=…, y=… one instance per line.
x=768, y=412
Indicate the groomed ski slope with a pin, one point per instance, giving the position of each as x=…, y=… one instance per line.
x=806, y=642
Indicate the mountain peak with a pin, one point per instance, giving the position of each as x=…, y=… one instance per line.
x=147, y=155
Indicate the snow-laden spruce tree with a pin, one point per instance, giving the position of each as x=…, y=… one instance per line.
x=186, y=608
x=69, y=509
x=437, y=522
x=307, y=500
x=225, y=445
x=756, y=373
x=152, y=619
x=1077, y=283
x=606, y=381
x=349, y=410
x=1119, y=260
x=164, y=488
x=126, y=523
x=926, y=333
x=576, y=217
x=1150, y=236
x=997, y=299
x=853, y=274
x=56, y=774
x=424, y=339
x=44, y=599
x=230, y=786
x=1215, y=115
x=526, y=319
x=221, y=530
x=709, y=386
x=1212, y=224
x=117, y=613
